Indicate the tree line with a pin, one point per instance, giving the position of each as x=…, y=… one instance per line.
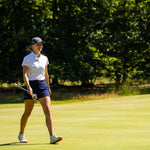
x=85, y=39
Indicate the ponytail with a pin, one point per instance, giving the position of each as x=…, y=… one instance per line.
x=29, y=48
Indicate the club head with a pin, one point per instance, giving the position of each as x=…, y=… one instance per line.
x=34, y=97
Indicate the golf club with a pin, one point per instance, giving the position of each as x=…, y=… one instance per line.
x=34, y=97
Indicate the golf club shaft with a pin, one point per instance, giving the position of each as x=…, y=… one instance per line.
x=20, y=87
x=34, y=96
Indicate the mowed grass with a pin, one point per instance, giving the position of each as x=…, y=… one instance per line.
x=121, y=123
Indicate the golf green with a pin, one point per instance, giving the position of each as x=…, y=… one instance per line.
x=108, y=124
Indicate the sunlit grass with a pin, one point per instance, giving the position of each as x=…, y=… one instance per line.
x=110, y=124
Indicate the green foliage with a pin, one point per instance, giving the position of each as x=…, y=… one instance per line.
x=121, y=39
x=17, y=27
x=84, y=39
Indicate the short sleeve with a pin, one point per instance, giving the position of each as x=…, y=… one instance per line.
x=25, y=62
x=47, y=62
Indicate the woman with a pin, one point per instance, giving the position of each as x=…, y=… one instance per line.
x=36, y=78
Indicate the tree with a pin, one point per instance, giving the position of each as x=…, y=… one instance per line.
x=143, y=17
x=73, y=28
x=84, y=39
x=120, y=40
x=20, y=21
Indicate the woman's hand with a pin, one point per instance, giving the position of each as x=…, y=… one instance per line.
x=50, y=92
x=30, y=91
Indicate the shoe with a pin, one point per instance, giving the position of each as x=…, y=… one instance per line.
x=22, y=138
x=54, y=139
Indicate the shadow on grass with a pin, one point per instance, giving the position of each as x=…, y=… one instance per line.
x=10, y=144
x=61, y=93
x=9, y=97
x=24, y=144
x=64, y=93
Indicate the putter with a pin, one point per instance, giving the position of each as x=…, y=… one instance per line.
x=34, y=97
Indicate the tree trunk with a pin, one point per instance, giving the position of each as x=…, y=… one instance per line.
x=55, y=81
x=117, y=84
x=54, y=9
x=125, y=78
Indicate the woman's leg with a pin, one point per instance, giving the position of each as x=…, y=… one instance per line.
x=46, y=105
x=28, y=109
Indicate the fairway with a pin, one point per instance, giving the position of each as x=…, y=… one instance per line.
x=107, y=124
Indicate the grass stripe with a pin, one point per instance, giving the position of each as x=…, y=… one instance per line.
x=110, y=124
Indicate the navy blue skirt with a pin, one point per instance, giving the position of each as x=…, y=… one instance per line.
x=39, y=87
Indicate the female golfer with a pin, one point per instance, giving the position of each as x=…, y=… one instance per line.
x=36, y=78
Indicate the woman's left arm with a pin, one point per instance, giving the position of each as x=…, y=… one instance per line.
x=47, y=79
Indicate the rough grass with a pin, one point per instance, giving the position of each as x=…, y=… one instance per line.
x=64, y=93
x=110, y=124
x=76, y=93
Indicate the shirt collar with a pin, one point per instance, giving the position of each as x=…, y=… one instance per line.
x=34, y=55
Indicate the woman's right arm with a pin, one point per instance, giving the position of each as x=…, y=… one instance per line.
x=26, y=80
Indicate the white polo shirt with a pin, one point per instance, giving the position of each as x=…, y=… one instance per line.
x=36, y=66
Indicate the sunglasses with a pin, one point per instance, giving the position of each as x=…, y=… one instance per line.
x=39, y=44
